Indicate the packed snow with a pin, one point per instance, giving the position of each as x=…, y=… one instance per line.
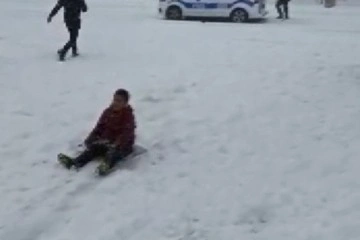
x=252, y=130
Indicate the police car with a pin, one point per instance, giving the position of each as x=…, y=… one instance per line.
x=236, y=10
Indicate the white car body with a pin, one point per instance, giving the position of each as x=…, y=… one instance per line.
x=255, y=9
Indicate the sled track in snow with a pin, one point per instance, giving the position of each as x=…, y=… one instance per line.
x=46, y=210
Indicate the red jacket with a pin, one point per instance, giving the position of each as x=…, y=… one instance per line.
x=116, y=126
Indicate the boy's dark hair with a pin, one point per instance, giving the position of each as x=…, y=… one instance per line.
x=123, y=93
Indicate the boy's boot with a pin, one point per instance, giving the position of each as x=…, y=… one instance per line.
x=66, y=161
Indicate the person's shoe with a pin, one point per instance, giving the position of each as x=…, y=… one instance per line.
x=61, y=55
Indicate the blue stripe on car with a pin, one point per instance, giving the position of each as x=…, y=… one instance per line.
x=213, y=5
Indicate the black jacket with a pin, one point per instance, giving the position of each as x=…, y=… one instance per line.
x=72, y=11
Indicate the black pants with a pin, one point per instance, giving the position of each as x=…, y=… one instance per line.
x=72, y=43
x=285, y=10
x=112, y=155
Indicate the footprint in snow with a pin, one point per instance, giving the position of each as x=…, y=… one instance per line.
x=180, y=89
x=22, y=113
x=256, y=218
x=151, y=99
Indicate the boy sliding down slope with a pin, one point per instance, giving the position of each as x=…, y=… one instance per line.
x=112, y=138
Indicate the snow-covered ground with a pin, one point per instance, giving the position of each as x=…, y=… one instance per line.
x=253, y=130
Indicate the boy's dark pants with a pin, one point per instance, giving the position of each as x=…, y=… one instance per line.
x=72, y=43
x=73, y=28
x=284, y=4
x=111, y=154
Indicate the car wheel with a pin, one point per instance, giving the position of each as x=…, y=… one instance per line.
x=239, y=15
x=174, y=13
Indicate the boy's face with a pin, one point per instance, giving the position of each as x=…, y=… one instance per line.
x=118, y=102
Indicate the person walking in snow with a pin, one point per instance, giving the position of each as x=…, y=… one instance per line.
x=112, y=138
x=282, y=7
x=72, y=12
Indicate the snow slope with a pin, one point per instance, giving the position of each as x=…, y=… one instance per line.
x=253, y=130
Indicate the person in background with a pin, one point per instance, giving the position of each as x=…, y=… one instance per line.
x=72, y=14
